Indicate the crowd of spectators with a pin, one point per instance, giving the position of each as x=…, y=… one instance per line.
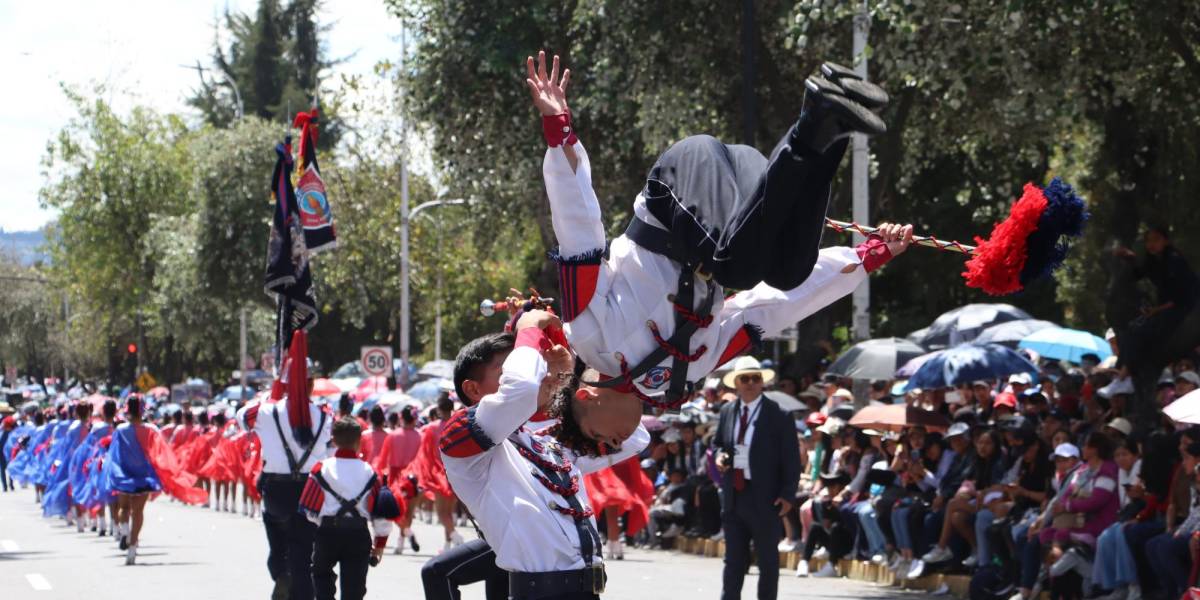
x=1035, y=485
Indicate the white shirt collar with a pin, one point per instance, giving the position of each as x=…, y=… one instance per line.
x=751, y=404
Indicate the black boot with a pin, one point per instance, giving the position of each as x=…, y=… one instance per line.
x=829, y=116
x=864, y=92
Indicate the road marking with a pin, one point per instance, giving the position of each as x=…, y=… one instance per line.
x=9, y=546
x=38, y=582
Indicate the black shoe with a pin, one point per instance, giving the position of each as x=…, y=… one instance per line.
x=853, y=87
x=829, y=117
x=412, y=541
x=124, y=545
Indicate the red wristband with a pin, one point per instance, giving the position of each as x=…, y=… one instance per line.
x=557, y=129
x=873, y=253
x=381, y=542
x=533, y=337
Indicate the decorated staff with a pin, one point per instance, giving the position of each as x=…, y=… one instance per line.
x=1031, y=243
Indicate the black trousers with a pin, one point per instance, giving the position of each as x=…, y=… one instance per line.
x=289, y=537
x=349, y=548
x=834, y=538
x=745, y=521
x=4, y=479
x=469, y=563
x=751, y=220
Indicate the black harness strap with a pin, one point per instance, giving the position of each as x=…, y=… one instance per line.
x=349, y=508
x=293, y=465
x=589, y=538
x=661, y=242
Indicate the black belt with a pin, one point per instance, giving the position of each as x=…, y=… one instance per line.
x=654, y=239
x=530, y=586
x=353, y=522
x=284, y=477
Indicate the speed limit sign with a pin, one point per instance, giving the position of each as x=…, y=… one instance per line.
x=377, y=360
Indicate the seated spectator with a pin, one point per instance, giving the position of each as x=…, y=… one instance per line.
x=960, y=470
x=670, y=510
x=1025, y=536
x=1016, y=498
x=827, y=531
x=1114, y=566
x=1081, y=511
x=967, y=500
x=1170, y=552
x=922, y=475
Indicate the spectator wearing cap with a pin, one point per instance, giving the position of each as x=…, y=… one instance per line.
x=1005, y=405
x=960, y=470
x=1119, y=429
x=1028, y=546
x=1085, y=506
x=1186, y=382
x=1019, y=382
x=1118, y=394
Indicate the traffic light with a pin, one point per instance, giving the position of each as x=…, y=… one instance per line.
x=132, y=348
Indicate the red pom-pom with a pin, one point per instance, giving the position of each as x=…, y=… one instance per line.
x=996, y=266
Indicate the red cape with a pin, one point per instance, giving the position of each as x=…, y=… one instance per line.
x=428, y=467
x=175, y=481
x=625, y=488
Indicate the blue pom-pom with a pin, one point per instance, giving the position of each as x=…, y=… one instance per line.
x=1064, y=218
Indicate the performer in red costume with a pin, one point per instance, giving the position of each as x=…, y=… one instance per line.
x=621, y=489
x=431, y=474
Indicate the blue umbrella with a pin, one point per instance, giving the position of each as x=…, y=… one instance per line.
x=1066, y=344
x=967, y=363
x=1010, y=333
x=964, y=324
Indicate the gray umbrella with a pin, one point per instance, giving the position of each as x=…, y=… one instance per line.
x=964, y=324
x=786, y=401
x=875, y=359
x=1011, y=333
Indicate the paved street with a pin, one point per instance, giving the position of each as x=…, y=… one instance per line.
x=191, y=553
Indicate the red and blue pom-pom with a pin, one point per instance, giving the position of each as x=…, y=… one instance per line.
x=1031, y=243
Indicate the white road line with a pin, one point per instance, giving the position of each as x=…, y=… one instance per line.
x=9, y=546
x=38, y=582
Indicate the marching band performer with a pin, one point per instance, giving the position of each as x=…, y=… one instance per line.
x=652, y=316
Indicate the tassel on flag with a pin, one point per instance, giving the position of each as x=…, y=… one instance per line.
x=316, y=218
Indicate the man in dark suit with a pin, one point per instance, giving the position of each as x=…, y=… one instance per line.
x=760, y=462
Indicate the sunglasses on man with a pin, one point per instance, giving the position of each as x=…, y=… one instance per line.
x=755, y=378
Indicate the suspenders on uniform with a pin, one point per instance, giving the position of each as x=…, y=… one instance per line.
x=296, y=466
x=347, y=515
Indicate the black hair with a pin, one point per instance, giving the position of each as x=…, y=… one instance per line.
x=1159, y=457
x=346, y=432
x=445, y=405
x=177, y=417
x=39, y=419
x=110, y=409
x=1193, y=449
x=203, y=419
x=408, y=414
x=562, y=407
x=1101, y=443
x=188, y=417
x=345, y=404
x=862, y=441
x=476, y=354
x=219, y=419
x=377, y=416
x=83, y=409
x=133, y=406
x=393, y=419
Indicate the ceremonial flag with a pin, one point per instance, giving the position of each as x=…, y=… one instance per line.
x=288, y=276
x=316, y=218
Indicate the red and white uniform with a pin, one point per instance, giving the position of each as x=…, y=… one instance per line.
x=499, y=483
x=347, y=475
x=606, y=303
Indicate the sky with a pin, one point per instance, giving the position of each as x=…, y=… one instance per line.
x=138, y=46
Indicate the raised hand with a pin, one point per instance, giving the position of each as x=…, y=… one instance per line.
x=549, y=92
x=897, y=237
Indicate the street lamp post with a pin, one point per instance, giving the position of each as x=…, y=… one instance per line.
x=406, y=217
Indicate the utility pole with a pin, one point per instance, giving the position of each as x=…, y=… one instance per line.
x=242, y=352
x=404, y=300
x=860, y=160
x=749, y=118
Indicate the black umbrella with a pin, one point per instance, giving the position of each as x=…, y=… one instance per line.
x=875, y=359
x=964, y=324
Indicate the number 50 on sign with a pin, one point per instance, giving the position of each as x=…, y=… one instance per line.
x=377, y=360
